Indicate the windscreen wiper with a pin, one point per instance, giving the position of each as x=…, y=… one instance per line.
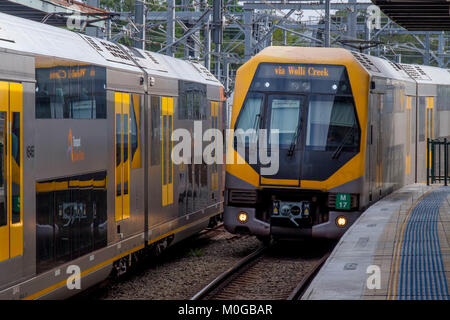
x=338, y=151
x=294, y=140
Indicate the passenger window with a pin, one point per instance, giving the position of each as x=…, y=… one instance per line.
x=155, y=131
x=15, y=152
x=70, y=218
x=331, y=122
x=192, y=102
x=250, y=117
x=285, y=112
x=70, y=92
x=135, y=132
x=422, y=116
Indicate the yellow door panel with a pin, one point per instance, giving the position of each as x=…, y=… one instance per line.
x=118, y=155
x=4, y=96
x=15, y=120
x=11, y=177
x=4, y=212
x=126, y=154
x=166, y=149
x=214, y=125
x=163, y=150
x=122, y=154
x=169, y=150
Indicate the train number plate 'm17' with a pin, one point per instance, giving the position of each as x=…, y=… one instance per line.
x=343, y=201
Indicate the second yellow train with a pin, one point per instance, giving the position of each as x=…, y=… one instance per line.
x=351, y=129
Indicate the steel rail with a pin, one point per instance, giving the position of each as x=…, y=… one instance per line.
x=226, y=275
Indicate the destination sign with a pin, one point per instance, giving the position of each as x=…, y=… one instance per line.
x=72, y=73
x=304, y=71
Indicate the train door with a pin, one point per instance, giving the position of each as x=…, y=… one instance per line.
x=375, y=136
x=11, y=171
x=122, y=155
x=379, y=146
x=214, y=184
x=429, y=102
x=372, y=144
x=166, y=150
x=287, y=114
x=425, y=126
x=408, y=140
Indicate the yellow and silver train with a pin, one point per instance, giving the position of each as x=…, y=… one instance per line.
x=351, y=129
x=87, y=185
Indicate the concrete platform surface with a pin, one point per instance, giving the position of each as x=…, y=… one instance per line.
x=397, y=249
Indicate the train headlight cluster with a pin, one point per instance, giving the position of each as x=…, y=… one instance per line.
x=341, y=221
x=242, y=217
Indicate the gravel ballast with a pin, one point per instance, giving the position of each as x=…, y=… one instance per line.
x=181, y=271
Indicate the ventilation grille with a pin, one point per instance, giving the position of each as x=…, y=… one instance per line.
x=108, y=50
x=151, y=57
x=365, y=61
x=353, y=201
x=415, y=72
x=122, y=54
x=242, y=196
x=395, y=65
x=92, y=43
x=132, y=52
x=115, y=50
x=203, y=71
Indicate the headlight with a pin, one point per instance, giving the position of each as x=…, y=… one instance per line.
x=242, y=217
x=341, y=221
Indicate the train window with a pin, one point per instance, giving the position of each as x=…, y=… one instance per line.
x=135, y=132
x=422, y=118
x=192, y=102
x=331, y=122
x=250, y=117
x=443, y=98
x=330, y=119
x=99, y=92
x=389, y=101
x=71, y=218
x=76, y=92
x=15, y=168
x=155, y=131
x=285, y=113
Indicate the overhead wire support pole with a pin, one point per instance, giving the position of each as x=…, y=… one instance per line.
x=269, y=33
x=193, y=29
x=327, y=24
x=139, y=21
x=170, y=31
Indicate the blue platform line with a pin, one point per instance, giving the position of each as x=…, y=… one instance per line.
x=422, y=273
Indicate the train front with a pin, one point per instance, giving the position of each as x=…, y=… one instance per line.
x=296, y=159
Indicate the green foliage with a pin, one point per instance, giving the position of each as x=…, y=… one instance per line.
x=117, y=5
x=196, y=253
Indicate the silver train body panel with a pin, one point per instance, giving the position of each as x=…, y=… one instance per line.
x=23, y=46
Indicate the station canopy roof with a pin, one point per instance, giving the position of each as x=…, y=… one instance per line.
x=413, y=15
x=53, y=12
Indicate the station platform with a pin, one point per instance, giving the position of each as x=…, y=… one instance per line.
x=399, y=249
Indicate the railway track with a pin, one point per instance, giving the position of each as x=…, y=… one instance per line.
x=266, y=274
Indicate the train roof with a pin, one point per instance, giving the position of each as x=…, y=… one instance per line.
x=34, y=38
x=374, y=66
